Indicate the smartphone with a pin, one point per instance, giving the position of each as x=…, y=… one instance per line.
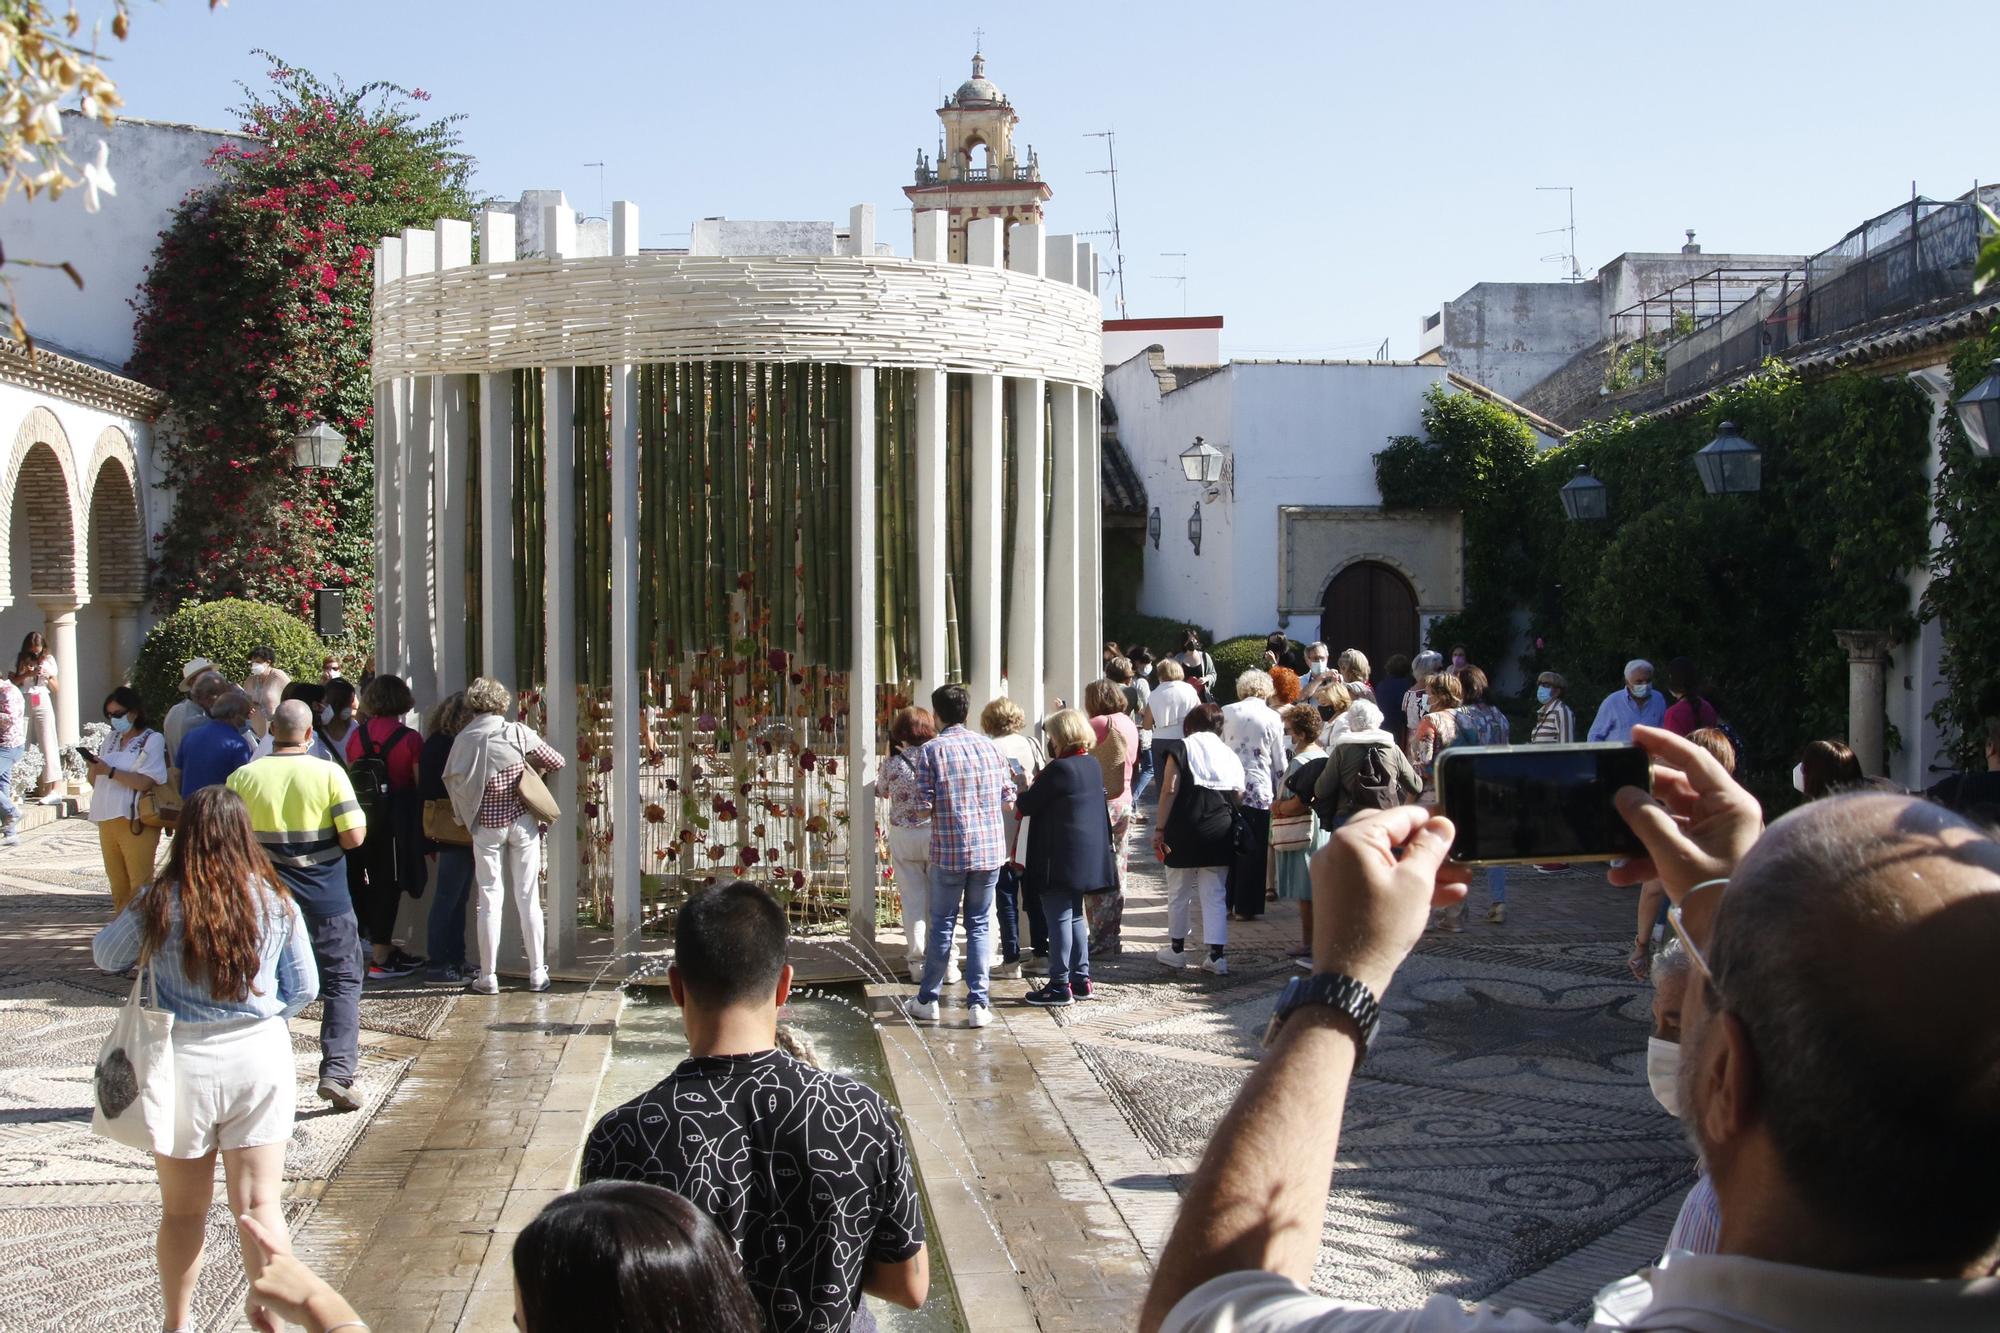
x=1520, y=804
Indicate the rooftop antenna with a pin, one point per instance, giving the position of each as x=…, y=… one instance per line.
x=1110, y=138
x=600, y=187
x=1568, y=257
x=1180, y=277
x=1382, y=352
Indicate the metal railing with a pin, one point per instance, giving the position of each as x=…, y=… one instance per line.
x=978, y=175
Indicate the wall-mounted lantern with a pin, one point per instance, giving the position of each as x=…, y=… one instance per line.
x=320, y=448
x=1979, y=413
x=1194, y=527
x=1730, y=464
x=1584, y=497
x=1153, y=526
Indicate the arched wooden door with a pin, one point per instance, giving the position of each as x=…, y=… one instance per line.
x=1371, y=607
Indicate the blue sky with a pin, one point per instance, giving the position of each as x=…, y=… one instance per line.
x=1332, y=172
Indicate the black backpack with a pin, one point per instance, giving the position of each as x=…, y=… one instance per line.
x=370, y=776
x=1372, y=785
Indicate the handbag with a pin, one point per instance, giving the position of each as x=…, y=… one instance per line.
x=1292, y=833
x=535, y=794
x=133, y=1084
x=441, y=824
x=160, y=805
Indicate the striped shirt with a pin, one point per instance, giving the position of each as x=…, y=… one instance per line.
x=1699, y=1225
x=300, y=806
x=287, y=978
x=969, y=786
x=1555, y=724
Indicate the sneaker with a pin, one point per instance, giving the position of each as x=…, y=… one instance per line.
x=409, y=962
x=924, y=1009
x=1171, y=956
x=451, y=974
x=482, y=987
x=399, y=964
x=1451, y=923
x=952, y=974
x=1082, y=989
x=978, y=1016
x=1219, y=966
x=342, y=1095
x=1497, y=913
x=53, y=798
x=916, y=971
x=1050, y=996
x=10, y=836
x=1303, y=964
x=537, y=987
x=1007, y=971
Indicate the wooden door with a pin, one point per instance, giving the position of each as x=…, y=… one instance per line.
x=1371, y=607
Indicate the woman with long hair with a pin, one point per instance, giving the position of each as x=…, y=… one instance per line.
x=1826, y=767
x=1117, y=752
x=132, y=763
x=445, y=939
x=908, y=830
x=391, y=863
x=36, y=672
x=1690, y=711
x=231, y=960
x=1197, y=664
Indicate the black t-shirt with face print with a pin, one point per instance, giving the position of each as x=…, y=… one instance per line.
x=805, y=1171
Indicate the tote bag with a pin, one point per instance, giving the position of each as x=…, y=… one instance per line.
x=133, y=1085
x=535, y=794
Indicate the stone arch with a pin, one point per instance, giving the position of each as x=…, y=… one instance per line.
x=41, y=484
x=117, y=524
x=1376, y=558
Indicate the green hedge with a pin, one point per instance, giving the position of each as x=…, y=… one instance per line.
x=1750, y=586
x=1161, y=634
x=223, y=632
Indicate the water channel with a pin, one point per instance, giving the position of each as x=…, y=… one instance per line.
x=835, y=1023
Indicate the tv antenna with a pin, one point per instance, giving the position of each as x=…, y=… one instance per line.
x=600, y=187
x=1382, y=352
x=1573, y=271
x=1180, y=277
x=1117, y=236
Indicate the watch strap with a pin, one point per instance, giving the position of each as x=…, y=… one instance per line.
x=1336, y=991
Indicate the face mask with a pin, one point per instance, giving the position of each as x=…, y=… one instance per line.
x=1799, y=778
x=1458, y=659
x=1642, y=689
x=120, y=724
x=325, y=715
x=345, y=714
x=1544, y=693
x=1316, y=663
x=259, y=668
x=1663, y=1069
x=1326, y=712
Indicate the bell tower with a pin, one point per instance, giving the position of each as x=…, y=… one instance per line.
x=978, y=173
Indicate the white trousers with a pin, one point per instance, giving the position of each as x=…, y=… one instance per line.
x=42, y=728
x=504, y=857
x=1212, y=884
x=910, y=854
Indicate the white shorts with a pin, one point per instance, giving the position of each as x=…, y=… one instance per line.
x=235, y=1085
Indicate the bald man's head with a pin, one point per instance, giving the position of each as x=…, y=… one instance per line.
x=292, y=723
x=1857, y=946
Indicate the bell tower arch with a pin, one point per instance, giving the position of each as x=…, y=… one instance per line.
x=979, y=173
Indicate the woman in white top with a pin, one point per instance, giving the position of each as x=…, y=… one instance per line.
x=35, y=671
x=1166, y=708
x=1200, y=786
x=132, y=762
x=1006, y=726
x=908, y=830
x=337, y=723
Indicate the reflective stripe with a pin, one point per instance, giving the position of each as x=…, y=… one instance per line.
x=320, y=852
x=344, y=808
x=282, y=836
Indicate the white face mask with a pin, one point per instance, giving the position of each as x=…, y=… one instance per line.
x=1663, y=1071
x=259, y=668
x=325, y=715
x=1799, y=778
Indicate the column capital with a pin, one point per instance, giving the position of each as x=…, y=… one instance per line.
x=59, y=609
x=1865, y=645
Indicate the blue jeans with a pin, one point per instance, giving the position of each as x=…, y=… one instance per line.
x=1012, y=904
x=8, y=758
x=336, y=946
x=445, y=940
x=951, y=889
x=1496, y=882
x=1069, y=937
x=1142, y=774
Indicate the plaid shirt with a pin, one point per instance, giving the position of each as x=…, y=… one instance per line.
x=500, y=804
x=969, y=787
x=13, y=708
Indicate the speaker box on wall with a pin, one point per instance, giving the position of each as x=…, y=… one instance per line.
x=329, y=611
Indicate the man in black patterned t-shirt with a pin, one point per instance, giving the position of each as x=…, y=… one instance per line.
x=806, y=1171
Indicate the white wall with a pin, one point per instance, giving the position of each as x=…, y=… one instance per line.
x=1301, y=434
x=155, y=165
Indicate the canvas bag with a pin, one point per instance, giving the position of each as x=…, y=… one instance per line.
x=441, y=824
x=535, y=794
x=133, y=1085
x=1295, y=833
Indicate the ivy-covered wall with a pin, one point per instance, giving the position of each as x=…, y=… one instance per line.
x=1964, y=595
x=1752, y=586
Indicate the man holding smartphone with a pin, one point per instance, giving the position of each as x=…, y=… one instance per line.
x=1836, y=1070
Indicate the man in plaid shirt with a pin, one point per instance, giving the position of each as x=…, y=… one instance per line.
x=970, y=788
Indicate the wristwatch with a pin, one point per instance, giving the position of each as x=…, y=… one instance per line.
x=1336, y=991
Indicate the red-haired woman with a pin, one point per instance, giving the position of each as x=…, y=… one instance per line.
x=231, y=960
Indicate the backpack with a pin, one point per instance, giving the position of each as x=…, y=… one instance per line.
x=370, y=776
x=1372, y=785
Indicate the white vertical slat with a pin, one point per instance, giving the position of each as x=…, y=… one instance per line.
x=559, y=599
x=862, y=676
x=626, y=807
x=496, y=486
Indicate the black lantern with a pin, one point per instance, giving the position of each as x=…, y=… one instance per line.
x=322, y=447
x=1730, y=464
x=1979, y=413
x=1153, y=526
x=1584, y=498
x=1201, y=462
x=1194, y=527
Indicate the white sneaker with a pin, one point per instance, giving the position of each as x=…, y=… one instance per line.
x=978, y=1016
x=924, y=1009
x=916, y=971
x=952, y=974
x=1497, y=914
x=53, y=798
x=483, y=986
x=1219, y=966
x=1007, y=971
x=10, y=836
x=1171, y=956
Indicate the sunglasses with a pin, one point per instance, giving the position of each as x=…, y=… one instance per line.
x=1694, y=918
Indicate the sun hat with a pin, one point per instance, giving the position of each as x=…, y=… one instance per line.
x=194, y=668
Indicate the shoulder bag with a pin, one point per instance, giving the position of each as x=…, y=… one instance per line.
x=133, y=1085
x=160, y=805
x=441, y=824
x=535, y=793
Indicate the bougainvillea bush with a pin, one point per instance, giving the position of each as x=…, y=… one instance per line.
x=254, y=319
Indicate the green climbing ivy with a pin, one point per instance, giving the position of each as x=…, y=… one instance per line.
x=1965, y=567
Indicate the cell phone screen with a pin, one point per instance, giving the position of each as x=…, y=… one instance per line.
x=1536, y=803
